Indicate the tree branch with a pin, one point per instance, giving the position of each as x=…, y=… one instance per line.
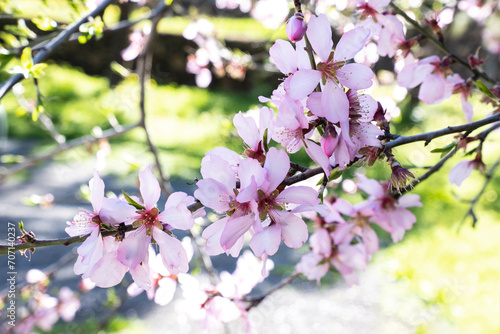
x=257, y=300
x=429, y=136
x=110, y=133
x=426, y=175
x=4, y=249
x=54, y=43
x=144, y=68
x=470, y=212
x=440, y=45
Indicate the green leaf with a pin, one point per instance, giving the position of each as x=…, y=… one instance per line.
x=264, y=142
x=474, y=150
x=132, y=202
x=26, y=59
x=336, y=174
x=119, y=69
x=44, y=23
x=445, y=149
x=320, y=181
x=37, y=70
x=37, y=111
x=24, y=29
x=482, y=87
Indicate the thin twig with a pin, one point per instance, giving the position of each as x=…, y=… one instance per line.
x=429, y=136
x=110, y=133
x=470, y=212
x=144, y=62
x=257, y=300
x=49, y=48
x=427, y=174
x=440, y=45
x=4, y=249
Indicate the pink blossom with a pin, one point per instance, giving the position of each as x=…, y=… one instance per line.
x=313, y=266
x=389, y=213
x=348, y=260
x=460, y=172
x=291, y=229
x=335, y=248
x=132, y=253
x=432, y=75
x=385, y=28
x=342, y=144
x=86, y=222
x=69, y=304
x=137, y=39
x=333, y=71
x=163, y=283
x=463, y=169
x=253, y=134
x=271, y=13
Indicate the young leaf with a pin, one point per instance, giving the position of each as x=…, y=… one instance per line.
x=132, y=202
x=482, y=87
x=26, y=59
x=264, y=142
x=336, y=174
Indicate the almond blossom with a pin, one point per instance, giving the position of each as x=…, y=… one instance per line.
x=390, y=213
x=152, y=225
x=464, y=168
x=258, y=199
x=433, y=75
x=163, y=283
x=333, y=72
x=86, y=222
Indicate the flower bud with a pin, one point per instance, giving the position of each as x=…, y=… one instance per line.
x=296, y=27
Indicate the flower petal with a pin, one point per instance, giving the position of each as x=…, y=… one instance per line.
x=172, y=252
x=299, y=195
x=293, y=229
x=212, y=194
x=317, y=154
x=108, y=271
x=267, y=241
x=96, y=191
x=334, y=103
x=303, y=82
x=149, y=187
x=283, y=56
x=351, y=43
x=247, y=130
x=319, y=33
x=277, y=165
x=134, y=248
x=234, y=229
x=355, y=76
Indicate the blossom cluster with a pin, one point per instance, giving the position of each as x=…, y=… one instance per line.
x=105, y=260
x=42, y=309
x=344, y=237
x=320, y=106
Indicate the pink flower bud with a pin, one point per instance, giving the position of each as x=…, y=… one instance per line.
x=296, y=27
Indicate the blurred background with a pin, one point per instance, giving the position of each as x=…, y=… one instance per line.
x=210, y=61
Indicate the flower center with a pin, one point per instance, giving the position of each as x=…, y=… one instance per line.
x=149, y=218
x=329, y=69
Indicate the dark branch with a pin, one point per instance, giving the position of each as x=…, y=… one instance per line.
x=52, y=45
x=429, y=136
x=65, y=147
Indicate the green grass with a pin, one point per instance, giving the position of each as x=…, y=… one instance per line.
x=453, y=273
x=240, y=29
